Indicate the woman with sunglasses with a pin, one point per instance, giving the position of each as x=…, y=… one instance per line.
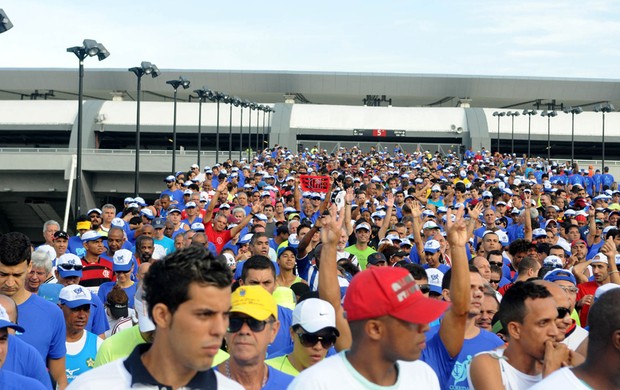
x=313, y=332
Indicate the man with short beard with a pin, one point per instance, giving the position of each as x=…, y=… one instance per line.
x=144, y=249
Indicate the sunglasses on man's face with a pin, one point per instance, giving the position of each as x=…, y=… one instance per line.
x=497, y=263
x=71, y=267
x=310, y=339
x=236, y=323
x=425, y=288
x=563, y=312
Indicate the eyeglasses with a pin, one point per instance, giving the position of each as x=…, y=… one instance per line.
x=236, y=323
x=121, y=272
x=425, y=288
x=497, y=263
x=69, y=267
x=495, y=281
x=563, y=312
x=570, y=289
x=310, y=340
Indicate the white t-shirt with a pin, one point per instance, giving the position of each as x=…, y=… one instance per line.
x=336, y=372
x=512, y=379
x=561, y=379
x=114, y=376
x=576, y=338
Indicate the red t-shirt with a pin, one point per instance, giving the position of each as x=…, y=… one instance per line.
x=95, y=274
x=219, y=239
x=587, y=288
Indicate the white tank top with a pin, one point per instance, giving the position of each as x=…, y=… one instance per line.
x=513, y=379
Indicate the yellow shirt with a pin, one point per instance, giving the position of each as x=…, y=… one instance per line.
x=283, y=364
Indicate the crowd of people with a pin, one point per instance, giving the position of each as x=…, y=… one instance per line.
x=321, y=270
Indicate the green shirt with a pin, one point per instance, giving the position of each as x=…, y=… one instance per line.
x=283, y=364
x=120, y=345
x=362, y=256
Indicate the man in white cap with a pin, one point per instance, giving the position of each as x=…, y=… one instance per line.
x=360, y=249
x=82, y=345
x=313, y=332
x=96, y=270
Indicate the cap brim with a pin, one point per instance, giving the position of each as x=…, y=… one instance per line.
x=421, y=311
x=252, y=311
x=76, y=303
x=118, y=312
x=8, y=324
x=69, y=274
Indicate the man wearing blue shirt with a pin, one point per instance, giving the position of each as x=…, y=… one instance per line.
x=42, y=320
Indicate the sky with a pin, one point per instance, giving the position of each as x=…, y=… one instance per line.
x=574, y=39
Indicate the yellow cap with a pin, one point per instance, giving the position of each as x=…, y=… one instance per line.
x=255, y=302
x=84, y=225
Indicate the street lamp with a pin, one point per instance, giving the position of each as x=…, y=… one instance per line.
x=604, y=108
x=529, y=114
x=269, y=120
x=258, y=108
x=252, y=106
x=549, y=114
x=572, y=111
x=498, y=115
x=215, y=96
x=89, y=48
x=180, y=82
x=265, y=110
x=203, y=94
x=233, y=101
x=512, y=114
x=5, y=22
x=146, y=68
x=243, y=104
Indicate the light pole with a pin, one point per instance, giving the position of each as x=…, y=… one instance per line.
x=265, y=110
x=202, y=93
x=233, y=101
x=512, y=115
x=529, y=114
x=144, y=68
x=5, y=22
x=258, y=108
x=604, y=108
x=89, y=48
x=215, y=96
x=269, y=121
x=498, y=115
x=572, y=111
x=252, y=106
x=180, y=82
x=243, y=104
x=549, y=114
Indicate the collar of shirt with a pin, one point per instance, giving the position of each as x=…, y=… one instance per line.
x=140, y=375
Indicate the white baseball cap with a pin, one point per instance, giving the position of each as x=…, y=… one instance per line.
x=315, y=314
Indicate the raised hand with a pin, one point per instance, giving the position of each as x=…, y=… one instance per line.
x=477, y=210
x=456, y=231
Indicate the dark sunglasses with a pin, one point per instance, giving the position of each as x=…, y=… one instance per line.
x=497, y=263
x=494, y=281
x=121, y=272
x=563, y=312
x=70, y=267
x=425, y=288
x=310, y=340
x=236, y=323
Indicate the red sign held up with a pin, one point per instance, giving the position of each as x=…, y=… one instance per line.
x=315, y=183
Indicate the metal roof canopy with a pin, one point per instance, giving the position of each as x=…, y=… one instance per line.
x=405, y=90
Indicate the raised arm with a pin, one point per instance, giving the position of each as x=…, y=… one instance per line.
x=452, y=328
x=473, y=217
x=527, y=200
x=209, y=212
x=388, y=214
x=329, y=288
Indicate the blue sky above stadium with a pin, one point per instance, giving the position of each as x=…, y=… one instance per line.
x=519, y=38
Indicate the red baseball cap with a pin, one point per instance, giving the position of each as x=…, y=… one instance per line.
x=381, y=291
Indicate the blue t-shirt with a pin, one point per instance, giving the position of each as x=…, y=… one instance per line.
x=23, y=359
x=44, y=327
x=167, y=243
x=452, y=371
x=75, y=246
x=277, y=379
x=106, y=287
x=283, y=338
x=84, y=360
x=12, y=381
